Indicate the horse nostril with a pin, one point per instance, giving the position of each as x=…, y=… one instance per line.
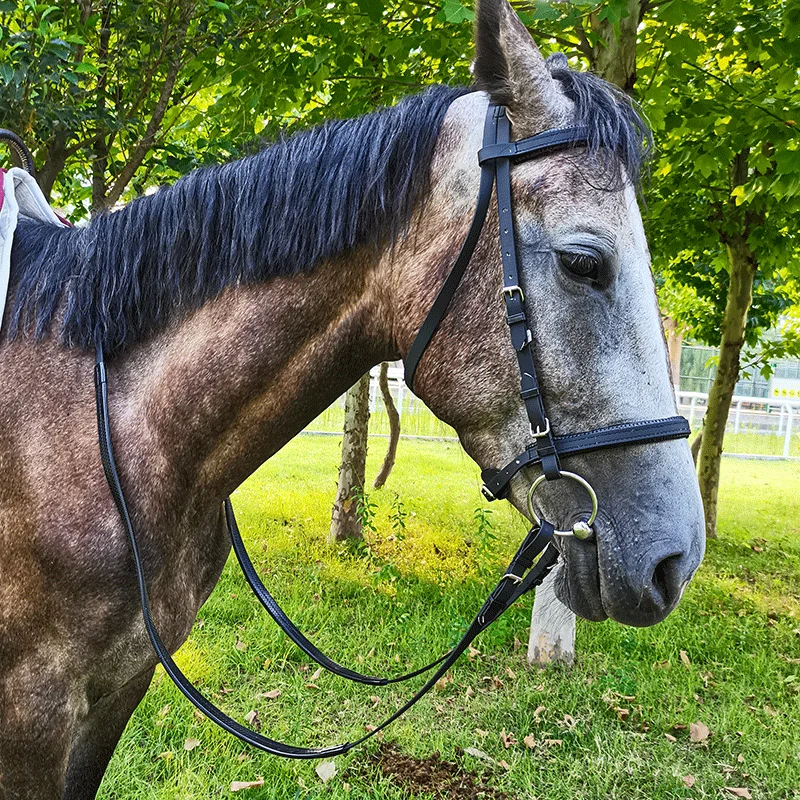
x=666, y=578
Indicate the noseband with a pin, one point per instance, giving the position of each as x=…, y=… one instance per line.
x=521, y=575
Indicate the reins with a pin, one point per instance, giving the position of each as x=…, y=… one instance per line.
x=524, y=572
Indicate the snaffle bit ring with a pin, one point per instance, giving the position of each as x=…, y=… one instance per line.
x=581, y=529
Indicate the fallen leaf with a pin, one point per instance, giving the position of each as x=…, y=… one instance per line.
x=326, y=770
x=661, y=664
x=553, y=742
x=622, y=713
x=238, y=786
x=167, y=755
x=470, y=692
x=190, y=744
x=529, y=741
x=441, y=684
x=698, y=732
x=740, y=758
x=507, y=739
x=685, y=659
x=311, y=686
x=511, y=674
x=272, y=695
x=375, y=700
x=757, y=548
x=240, y=645
x=670, y=738
x=504, y=764
x=517, y=644
x=495, y=682
x=316, y=675
x=164, y=711
x=689, y=781
x=252, y=719
x=475, y=753
x=539, y=711
x=472, y=652
x=739, y=791
x=267, y=662
x=770, y=711
x=482, y=733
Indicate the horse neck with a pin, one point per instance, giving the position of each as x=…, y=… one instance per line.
x=214, y=396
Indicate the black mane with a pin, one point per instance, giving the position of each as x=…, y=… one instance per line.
x=307, y=199
x=296, y=204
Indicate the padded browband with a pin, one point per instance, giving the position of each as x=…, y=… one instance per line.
x=654, y=430
x=537, y=145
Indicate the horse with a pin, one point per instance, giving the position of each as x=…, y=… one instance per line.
x=237, y=304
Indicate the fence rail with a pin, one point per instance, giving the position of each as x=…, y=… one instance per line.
x=757, y=427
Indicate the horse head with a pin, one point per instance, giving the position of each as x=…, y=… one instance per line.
x=595, y=328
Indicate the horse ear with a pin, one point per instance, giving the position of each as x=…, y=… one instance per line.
x=510, y=68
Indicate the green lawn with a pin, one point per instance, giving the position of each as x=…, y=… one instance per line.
x=613, y=726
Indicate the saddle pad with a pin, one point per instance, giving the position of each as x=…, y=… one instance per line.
x=19, y=195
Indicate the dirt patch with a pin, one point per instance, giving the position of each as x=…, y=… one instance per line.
x=432, y=775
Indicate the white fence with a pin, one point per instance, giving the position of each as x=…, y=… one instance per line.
x=757, y=427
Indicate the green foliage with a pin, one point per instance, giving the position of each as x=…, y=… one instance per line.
x=116, y=97
x=721, y=90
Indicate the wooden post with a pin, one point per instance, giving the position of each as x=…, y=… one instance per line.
x=552, y=638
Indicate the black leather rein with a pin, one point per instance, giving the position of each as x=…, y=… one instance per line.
x=524, y=572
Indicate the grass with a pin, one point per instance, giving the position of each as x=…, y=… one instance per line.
x=406, y=597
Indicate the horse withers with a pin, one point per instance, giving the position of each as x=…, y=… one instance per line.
x=238, y=304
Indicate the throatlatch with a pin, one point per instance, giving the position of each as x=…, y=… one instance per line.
x=524, y=572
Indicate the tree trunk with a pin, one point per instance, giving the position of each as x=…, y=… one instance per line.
x=552, y=638
x=614, y=56
x=394, y=427
x=740, y=295
x=345, y=522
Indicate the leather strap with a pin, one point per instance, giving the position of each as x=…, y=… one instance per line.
x=496, y=481
x=538, y=145
x=442, y=302
x=286, y=624
x=521, y=337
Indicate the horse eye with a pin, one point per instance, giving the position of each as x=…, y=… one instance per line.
x=582, y=264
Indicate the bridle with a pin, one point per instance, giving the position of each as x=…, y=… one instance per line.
x=545, y=449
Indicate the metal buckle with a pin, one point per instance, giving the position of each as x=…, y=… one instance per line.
x=538, y=433
x=487, y=493
x=512, y=577
x=509, y=290
x=581, y=529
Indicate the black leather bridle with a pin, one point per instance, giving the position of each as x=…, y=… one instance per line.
x=521, y=575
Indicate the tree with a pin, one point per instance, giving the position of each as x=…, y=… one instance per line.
x=727, y=191
x=115, y=97
x=346, y=521
x=718, y=80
